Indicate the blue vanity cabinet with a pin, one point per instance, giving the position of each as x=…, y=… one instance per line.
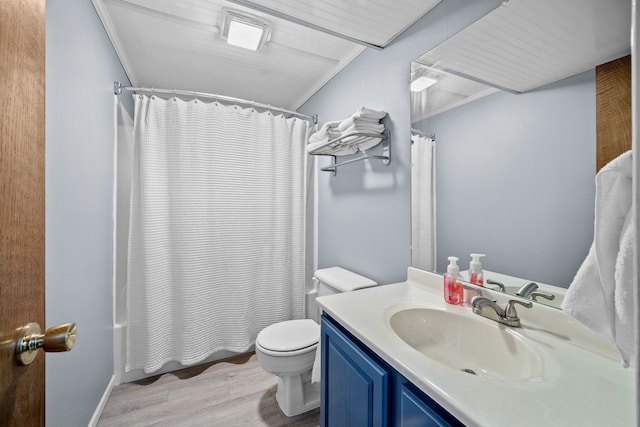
x=415, y=409
x=358, y=388
x=354, y=387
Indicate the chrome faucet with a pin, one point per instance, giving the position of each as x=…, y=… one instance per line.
x=527, y=289
x=474, y=288
x=488, y=308
x=536, y=294
x=498, y=284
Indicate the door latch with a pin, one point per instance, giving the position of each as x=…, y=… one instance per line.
x=56, y=339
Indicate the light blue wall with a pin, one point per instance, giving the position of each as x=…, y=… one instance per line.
x=81, y=66
x=364, y=216
x=364, y=212
x=515, y=180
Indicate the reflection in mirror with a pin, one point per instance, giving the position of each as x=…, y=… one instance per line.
x=511, y=101
x=423, y=250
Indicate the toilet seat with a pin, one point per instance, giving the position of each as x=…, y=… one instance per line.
x=289, y=336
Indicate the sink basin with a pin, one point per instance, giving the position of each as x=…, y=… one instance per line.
x=469, y=345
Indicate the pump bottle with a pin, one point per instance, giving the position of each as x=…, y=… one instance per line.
x=453, y=290
x=476, y=276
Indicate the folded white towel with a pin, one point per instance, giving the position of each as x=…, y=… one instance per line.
x=361, y=143
x=317, y=139
x=359, y=121
x=369, y=113
x=328, y=146
x=327, y=130
x=334, y=137
x=315, y=145
x=362, y=127
x=345, y=124
x=370, y=143
x=599, y=295
x=349, y=145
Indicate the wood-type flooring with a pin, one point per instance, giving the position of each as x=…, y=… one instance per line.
x=233, y=392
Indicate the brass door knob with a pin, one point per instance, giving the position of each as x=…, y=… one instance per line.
x=56, y=339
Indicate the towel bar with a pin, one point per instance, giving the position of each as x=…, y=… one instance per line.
x=385, y=156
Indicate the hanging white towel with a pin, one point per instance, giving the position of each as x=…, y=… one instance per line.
x=601, y=294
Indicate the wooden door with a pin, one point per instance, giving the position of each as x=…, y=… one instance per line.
x=22, y=130
x=613, y=110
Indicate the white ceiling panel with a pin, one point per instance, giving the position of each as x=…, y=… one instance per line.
x=376, y=22
x=525, y=44
x=175, y=44
x=450, y=91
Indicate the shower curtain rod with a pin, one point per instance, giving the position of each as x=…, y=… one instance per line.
x=118, y=88
x=426, y=135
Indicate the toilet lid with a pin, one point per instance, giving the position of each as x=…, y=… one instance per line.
x=289, y=335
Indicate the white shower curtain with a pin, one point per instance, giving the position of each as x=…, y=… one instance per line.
x=217, y=229
x=423, y=193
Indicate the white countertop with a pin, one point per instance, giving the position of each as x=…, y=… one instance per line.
x=583, y=384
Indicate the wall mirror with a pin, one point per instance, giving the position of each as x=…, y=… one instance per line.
x=511, y=102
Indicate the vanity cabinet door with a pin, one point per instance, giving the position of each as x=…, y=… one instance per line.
x=414, y=412
x=354, y=387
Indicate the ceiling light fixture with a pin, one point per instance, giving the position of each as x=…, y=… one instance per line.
x=244, y=30
x=421, y=83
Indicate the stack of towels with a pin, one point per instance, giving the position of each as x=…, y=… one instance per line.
x=341, y=138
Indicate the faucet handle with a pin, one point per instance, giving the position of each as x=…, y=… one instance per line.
x=510, y=309
x=498, y=284
x=475, y=288
x=544, y=295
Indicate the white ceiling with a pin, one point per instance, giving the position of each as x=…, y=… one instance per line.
x=376, y=22
x=520, y=46
x=449, y=92
x=526, y=44
x=175, y=44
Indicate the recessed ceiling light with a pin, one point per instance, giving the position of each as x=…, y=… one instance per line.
x=244, y=30
x=421, y=83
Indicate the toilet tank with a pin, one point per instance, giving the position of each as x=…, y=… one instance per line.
x=334, y=280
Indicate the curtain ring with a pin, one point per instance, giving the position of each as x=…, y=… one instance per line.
x=195, y=96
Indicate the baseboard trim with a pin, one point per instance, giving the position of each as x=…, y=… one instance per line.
x=103, y=402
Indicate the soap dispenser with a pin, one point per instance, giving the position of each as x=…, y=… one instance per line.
x=453, y=290
x=476, y=276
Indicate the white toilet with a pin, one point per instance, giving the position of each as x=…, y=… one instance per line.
x=288, y=349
